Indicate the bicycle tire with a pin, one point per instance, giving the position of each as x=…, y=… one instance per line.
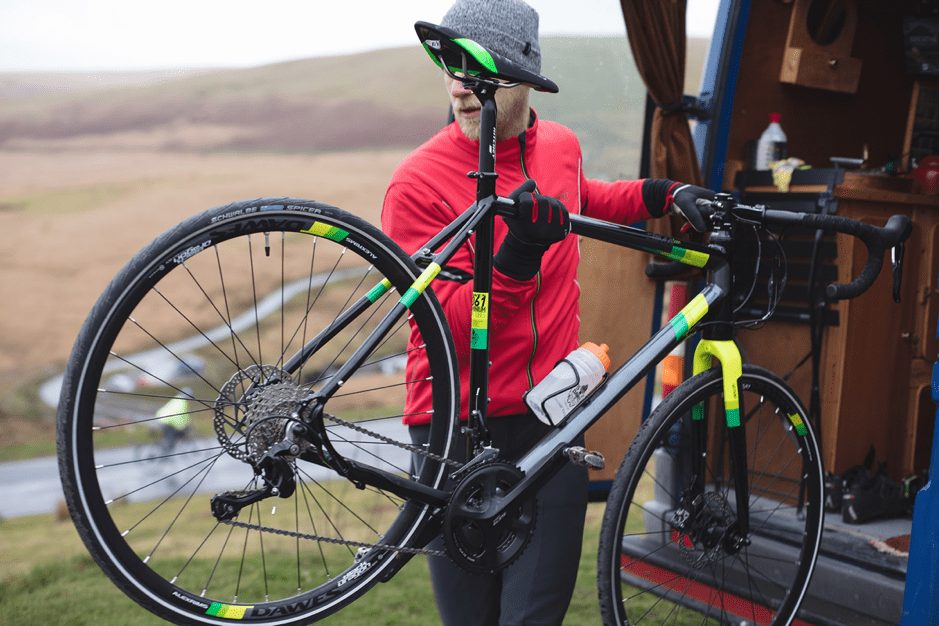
x=165, y=550
x=650, y=572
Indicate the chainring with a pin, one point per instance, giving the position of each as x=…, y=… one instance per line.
x=487, y=546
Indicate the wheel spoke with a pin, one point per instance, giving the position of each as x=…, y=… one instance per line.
x=211, y=317
x=671, y=570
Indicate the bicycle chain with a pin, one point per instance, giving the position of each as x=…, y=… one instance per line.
x=345, y=542
x=333, y=540
x=399, y=444
x=409, y=447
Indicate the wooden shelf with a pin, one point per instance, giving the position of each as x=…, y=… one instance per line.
x=875, y=362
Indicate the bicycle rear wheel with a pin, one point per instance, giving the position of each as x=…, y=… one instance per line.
x=656, y=568
x=210, y=314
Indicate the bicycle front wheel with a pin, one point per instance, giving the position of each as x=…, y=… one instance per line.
x=666, y=554
x=228, y=322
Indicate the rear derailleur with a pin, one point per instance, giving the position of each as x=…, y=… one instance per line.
x=277, y=474
x=277, y=466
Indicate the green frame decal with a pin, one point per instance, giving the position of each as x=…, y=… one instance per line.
x=419, y=285
x=683, y=255
x=378, y=290
x=727, y=352
x=321, y=229
x=689, y=316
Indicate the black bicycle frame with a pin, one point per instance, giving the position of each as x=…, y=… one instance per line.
x=547, y=456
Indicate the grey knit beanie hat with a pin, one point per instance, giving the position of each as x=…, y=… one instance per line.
x=507, y=27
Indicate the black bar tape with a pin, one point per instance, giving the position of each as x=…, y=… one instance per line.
x=875, y=239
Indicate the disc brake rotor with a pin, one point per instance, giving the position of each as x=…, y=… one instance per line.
x=253, y=408
x=703, y=541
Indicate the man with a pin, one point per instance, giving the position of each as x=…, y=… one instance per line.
x=534, y=301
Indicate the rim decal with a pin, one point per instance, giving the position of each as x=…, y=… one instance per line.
x=228, y=611
x=325, y=230
x=798, y=424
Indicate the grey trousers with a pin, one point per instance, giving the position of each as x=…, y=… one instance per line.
x=536, y=589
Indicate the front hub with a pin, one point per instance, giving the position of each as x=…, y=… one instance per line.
x=705, y=530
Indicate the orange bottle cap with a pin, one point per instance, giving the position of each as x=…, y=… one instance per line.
x=600, y=352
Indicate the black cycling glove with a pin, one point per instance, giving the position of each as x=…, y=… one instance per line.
x=661, y=194
x=539, y=222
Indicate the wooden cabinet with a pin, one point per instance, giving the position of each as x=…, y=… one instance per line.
x=875, y=371
x=875, y=363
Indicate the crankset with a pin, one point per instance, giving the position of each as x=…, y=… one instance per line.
x=482, y=545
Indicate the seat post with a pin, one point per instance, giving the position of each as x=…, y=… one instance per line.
x=486, y=180
x=482, y=270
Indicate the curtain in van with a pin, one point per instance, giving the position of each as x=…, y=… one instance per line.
x=656, y=32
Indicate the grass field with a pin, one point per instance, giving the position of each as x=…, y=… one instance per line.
x=49, y=578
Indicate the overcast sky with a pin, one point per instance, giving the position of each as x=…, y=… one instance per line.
x=88, y=35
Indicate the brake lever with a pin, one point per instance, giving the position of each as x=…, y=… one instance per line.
x=896, y=262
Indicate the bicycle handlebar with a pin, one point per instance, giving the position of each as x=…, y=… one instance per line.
x=876, y=239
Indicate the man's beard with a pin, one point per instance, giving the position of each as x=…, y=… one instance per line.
x=509, y=115
x=470, y=128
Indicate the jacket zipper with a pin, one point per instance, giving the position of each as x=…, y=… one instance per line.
x=534, y=327
x=534, y=331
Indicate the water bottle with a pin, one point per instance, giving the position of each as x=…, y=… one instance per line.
x=772, y=144
x=571, y=380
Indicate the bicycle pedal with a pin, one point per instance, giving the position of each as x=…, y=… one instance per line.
x=582, y=456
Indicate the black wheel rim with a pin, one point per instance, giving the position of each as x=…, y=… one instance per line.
x=147, y=514
x=661, y=574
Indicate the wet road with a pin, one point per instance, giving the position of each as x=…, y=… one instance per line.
x=135, y=474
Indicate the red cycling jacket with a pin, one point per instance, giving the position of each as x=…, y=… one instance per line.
x=533, y=323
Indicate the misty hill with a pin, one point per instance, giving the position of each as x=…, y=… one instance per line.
x=375, y=99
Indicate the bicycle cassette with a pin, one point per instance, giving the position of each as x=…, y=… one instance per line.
x=487, y=546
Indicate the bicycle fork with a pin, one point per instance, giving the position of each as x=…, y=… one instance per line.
x=727, y=353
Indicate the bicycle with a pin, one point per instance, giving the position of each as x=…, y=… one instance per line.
x=304, y=390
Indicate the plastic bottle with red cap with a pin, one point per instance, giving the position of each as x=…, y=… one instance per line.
x=571, y=380
x=772, y=144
